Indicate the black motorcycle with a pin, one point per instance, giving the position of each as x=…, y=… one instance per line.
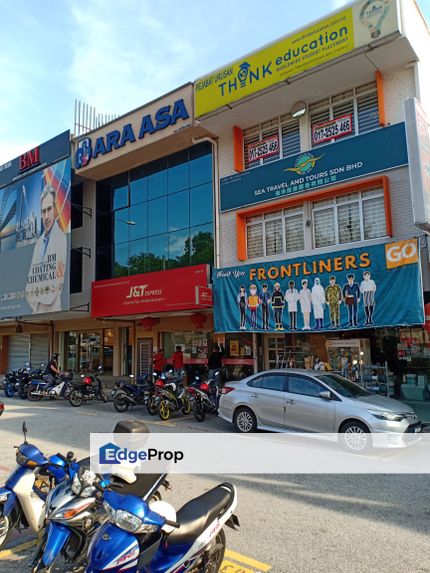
x=125, y=396
x=90, y=387
x=206, y=399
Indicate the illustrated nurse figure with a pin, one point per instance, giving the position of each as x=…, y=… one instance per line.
x=305, y=298
x=318, y=303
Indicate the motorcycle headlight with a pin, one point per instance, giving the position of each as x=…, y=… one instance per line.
x=87, y=491
x=127, y=521
x=21, y=459
x=110, y=511
x=388, y=416
x=76, y=485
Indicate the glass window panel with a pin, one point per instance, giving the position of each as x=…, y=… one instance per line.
x=294, y=233
x=274, y=382
x=324, y=227
x=120, y=197
x=157, y=253
x=304, y=386
x=374, y=218
x=121, y=260
x=121, y=228
x=202, y=244
x=291, y=138
x=138, y=255
x=138, y=214
x=157, y=184
x=179, y=249
x=348, y=220
x=157, y=216
x=201, y=204
x=368, y=114
x=347, y=198
x=254, y=241
x=177, y=174
x=138, y=190
x=179, y=211
x=274, y=239
x=323, y=204
x=200, y=169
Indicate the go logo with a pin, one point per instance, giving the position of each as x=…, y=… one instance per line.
x=401, y=253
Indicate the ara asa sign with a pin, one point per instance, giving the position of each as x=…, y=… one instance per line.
x=366, y=287
x=117, y=138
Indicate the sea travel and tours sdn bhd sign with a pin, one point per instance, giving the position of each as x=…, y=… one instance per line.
x=379, y=285
x=339, y=34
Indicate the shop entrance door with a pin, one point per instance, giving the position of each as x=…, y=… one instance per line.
x=145, y=356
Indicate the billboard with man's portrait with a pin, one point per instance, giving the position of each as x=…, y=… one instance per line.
x=35, y=211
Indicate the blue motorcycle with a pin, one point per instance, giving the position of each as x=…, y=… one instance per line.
x=156, y=539
x=22, y=499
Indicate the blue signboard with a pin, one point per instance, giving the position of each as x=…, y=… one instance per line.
x=364, y=287
x=325, y=165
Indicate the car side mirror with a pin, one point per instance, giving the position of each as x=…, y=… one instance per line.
x=326, y=395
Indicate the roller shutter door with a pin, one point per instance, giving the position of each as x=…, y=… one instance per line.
x=19, y=351
x=39, y=350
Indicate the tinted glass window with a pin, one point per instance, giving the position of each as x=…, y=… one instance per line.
x=77, y=203
x=179, y=211
x=200, y=169
x=157, y=253
x=201, y=208
x=121, y=260
x=274, y=382
x=138, y=255
x=305, y=386
x=177, y=174
x=157, y=184
x=202, y=244
x=256, y=382
x=138, y=190
x=121, y=227
x=120, y=197
x=138, y=214
x=343, y=386
x=157, y=220
x=179, y=248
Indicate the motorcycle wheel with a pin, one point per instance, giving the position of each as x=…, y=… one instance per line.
x=76, y=399
x=66, y=391
x=120, y=404
x=164, y=410
x=23, y=392
x=215, y=554
x=5, y=528
x=33, y=397
x=151, y=406
x=9, y=389
x=186, y=408
x=199, y=411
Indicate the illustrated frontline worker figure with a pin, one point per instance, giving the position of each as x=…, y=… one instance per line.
x=351, y=296
x=333, y=295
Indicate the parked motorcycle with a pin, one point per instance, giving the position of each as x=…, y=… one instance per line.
x=126, y=396
x=75, y=510
x=90, y=387
x=26, y=377
x=155, y=538
x=206, y=399
x=22, y=499
x=49, y=387
x=11, y=383
x=173, y=398
x=155, y=396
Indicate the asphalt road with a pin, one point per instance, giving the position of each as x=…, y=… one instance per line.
x=289, y=523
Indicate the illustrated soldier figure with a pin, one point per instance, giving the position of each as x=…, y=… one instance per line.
x=253, y=304
x=305, y=304
x=278, y=306
x=265, y=301
x=368, y=289
x=318, y=302
x=351, y=296
x=333, y=296
x=242, y=301
x=292, y=297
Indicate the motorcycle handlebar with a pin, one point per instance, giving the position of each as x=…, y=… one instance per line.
x=172, y=523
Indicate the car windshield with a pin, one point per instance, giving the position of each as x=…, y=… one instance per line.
x=343, y=386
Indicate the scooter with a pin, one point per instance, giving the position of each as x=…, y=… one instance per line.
x=74, y=509
x=49, y=387
x=22, y=499
x=154, y=539
x=88, y=389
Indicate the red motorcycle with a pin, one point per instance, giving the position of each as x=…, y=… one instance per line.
x=206, y=399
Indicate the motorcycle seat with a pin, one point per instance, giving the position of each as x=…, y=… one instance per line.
x=140, y=487
x=196, y=515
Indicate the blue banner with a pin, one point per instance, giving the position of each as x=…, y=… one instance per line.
x=325, y=165
x=356, y=288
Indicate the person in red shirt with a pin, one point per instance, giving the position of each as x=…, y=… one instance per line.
x=159, y=361
x=178, y=362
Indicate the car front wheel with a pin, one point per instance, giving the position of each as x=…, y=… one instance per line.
x=245, y=421
x=356, y=436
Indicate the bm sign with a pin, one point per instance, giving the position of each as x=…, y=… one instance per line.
x=29, y=159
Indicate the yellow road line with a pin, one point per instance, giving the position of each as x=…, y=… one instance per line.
x=230, y=567
x=247, y=560
x=8, y=552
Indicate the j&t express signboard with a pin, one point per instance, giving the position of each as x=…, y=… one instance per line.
x=339, y=34
x=356, y=288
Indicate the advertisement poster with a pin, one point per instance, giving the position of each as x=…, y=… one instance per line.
x=326, y=40
x=356, y=288
x=35, y=242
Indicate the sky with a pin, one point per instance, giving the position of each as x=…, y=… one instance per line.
x=118, y=55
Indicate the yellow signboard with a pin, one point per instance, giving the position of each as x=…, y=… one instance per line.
x=324, y=41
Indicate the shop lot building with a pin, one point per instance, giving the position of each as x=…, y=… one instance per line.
x=292, y=164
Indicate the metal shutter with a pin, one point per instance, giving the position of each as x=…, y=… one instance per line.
x=19, y=351
x=39, y=350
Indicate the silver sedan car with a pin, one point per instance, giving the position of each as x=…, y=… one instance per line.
x=312, y=401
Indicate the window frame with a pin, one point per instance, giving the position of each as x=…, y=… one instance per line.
x=267, y=375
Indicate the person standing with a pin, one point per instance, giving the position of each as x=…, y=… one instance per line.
x=351, y=296
x=333, y=295
x=265, y=301
x=305, y=304
x=318, y=302
x=159, y=362
x=292, y=297
x=278, y=306
x=368, y=289
x=215, y=363
x=178, y=362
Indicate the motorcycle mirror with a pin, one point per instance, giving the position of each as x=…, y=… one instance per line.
x=70, y=456
x=24, y=431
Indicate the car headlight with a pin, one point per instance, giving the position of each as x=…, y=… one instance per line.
x=388, y=416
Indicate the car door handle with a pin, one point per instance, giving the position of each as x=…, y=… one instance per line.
x=290, y=402
x=254, y=395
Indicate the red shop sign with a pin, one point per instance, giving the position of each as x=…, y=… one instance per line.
x=162, y=291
